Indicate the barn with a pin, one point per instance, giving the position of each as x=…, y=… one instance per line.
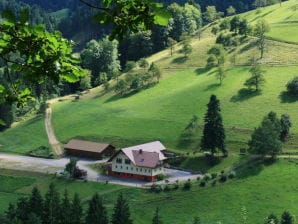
x=88, y=149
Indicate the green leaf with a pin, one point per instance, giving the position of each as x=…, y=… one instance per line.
x=24, y=16
x=161, y=17
x=9, y=15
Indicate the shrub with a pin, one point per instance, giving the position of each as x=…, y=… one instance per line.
x=175, y=186
x=143, y=63
x=223, y=178
x=155, y=188
x=213, y=183
x=211, y=61
x=213, y=175
x=198, y=178
x=232, y=175
x=222, y=172
x=166, y=188
x=207, y=177
x=130, y=65
x=187, y=185
x=292, y=86
x=161, y=177
x=202, y=183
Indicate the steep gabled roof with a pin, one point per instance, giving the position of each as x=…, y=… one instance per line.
x=145, y=159
x=144, y=155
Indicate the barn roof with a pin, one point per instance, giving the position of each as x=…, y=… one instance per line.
x=86, y=145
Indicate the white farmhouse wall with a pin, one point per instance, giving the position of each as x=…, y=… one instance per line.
x=132, y=169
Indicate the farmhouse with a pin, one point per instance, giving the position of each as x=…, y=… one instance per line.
x=94, y=150
x=142, y=162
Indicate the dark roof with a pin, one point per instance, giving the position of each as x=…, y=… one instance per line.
x=86, y=146
x=145, y=159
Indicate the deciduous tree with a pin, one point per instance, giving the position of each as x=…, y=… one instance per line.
x=257, y=78
x=262, y=27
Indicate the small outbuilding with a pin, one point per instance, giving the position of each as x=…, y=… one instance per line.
x=87, y=149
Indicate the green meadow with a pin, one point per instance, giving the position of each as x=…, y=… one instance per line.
x=259, y=189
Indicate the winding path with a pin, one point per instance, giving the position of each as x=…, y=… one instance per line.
x=55, y=144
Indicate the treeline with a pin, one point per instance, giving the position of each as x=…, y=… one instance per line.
x=37, y=14
x=52, y=208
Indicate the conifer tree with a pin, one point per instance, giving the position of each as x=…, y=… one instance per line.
x=65, y=212
x=51, y=206
x=33, y=219
x=213, y=134
x=76, y=210
x=196, y=220
x=36, y=202
x=271, y=219
x=11, y=212
x=156, y=218
x=23, y=209
x=286, y=218
x=97, y=213
x=121, y=213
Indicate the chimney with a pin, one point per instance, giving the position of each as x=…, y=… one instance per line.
x=140, y=151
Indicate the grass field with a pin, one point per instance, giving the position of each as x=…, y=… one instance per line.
x=261, y=190
x=282, y=19
x=163, y=111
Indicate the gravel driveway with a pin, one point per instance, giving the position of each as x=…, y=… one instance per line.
x=27, y=163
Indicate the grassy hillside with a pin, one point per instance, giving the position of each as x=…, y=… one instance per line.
x=163, y=111
x=261, y=190
x=283, y=20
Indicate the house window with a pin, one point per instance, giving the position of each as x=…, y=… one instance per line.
x=127, y=167
x=131, y=168
x=137, y=169
x=118, y=160
x=116, y=166
x=141, y=170
x=127, y=161
x=121, y=167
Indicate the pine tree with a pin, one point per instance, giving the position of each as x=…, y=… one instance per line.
x=196, y=220
x=11, y=212
x=121, y=213
x=76, y=210
x=97, y=213
x=51, y=206
x=65, y=212
x=156, y=218
x=286, y=218
x=33, y=219
x=213, y=134
x=271, y=219
x=23, y=209
x=36, y=202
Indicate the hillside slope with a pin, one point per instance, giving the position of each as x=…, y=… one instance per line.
x=164, y=110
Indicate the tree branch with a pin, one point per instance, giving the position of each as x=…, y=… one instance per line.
x=94, y=6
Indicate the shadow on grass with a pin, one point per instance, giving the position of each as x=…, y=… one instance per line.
x=128, y=94
x=252, y=166
x=202, y=164
x=285, y=97
x=244, y=94
x=201, y=71
x=211, y=87
x=179, y=60
x=248, y=46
